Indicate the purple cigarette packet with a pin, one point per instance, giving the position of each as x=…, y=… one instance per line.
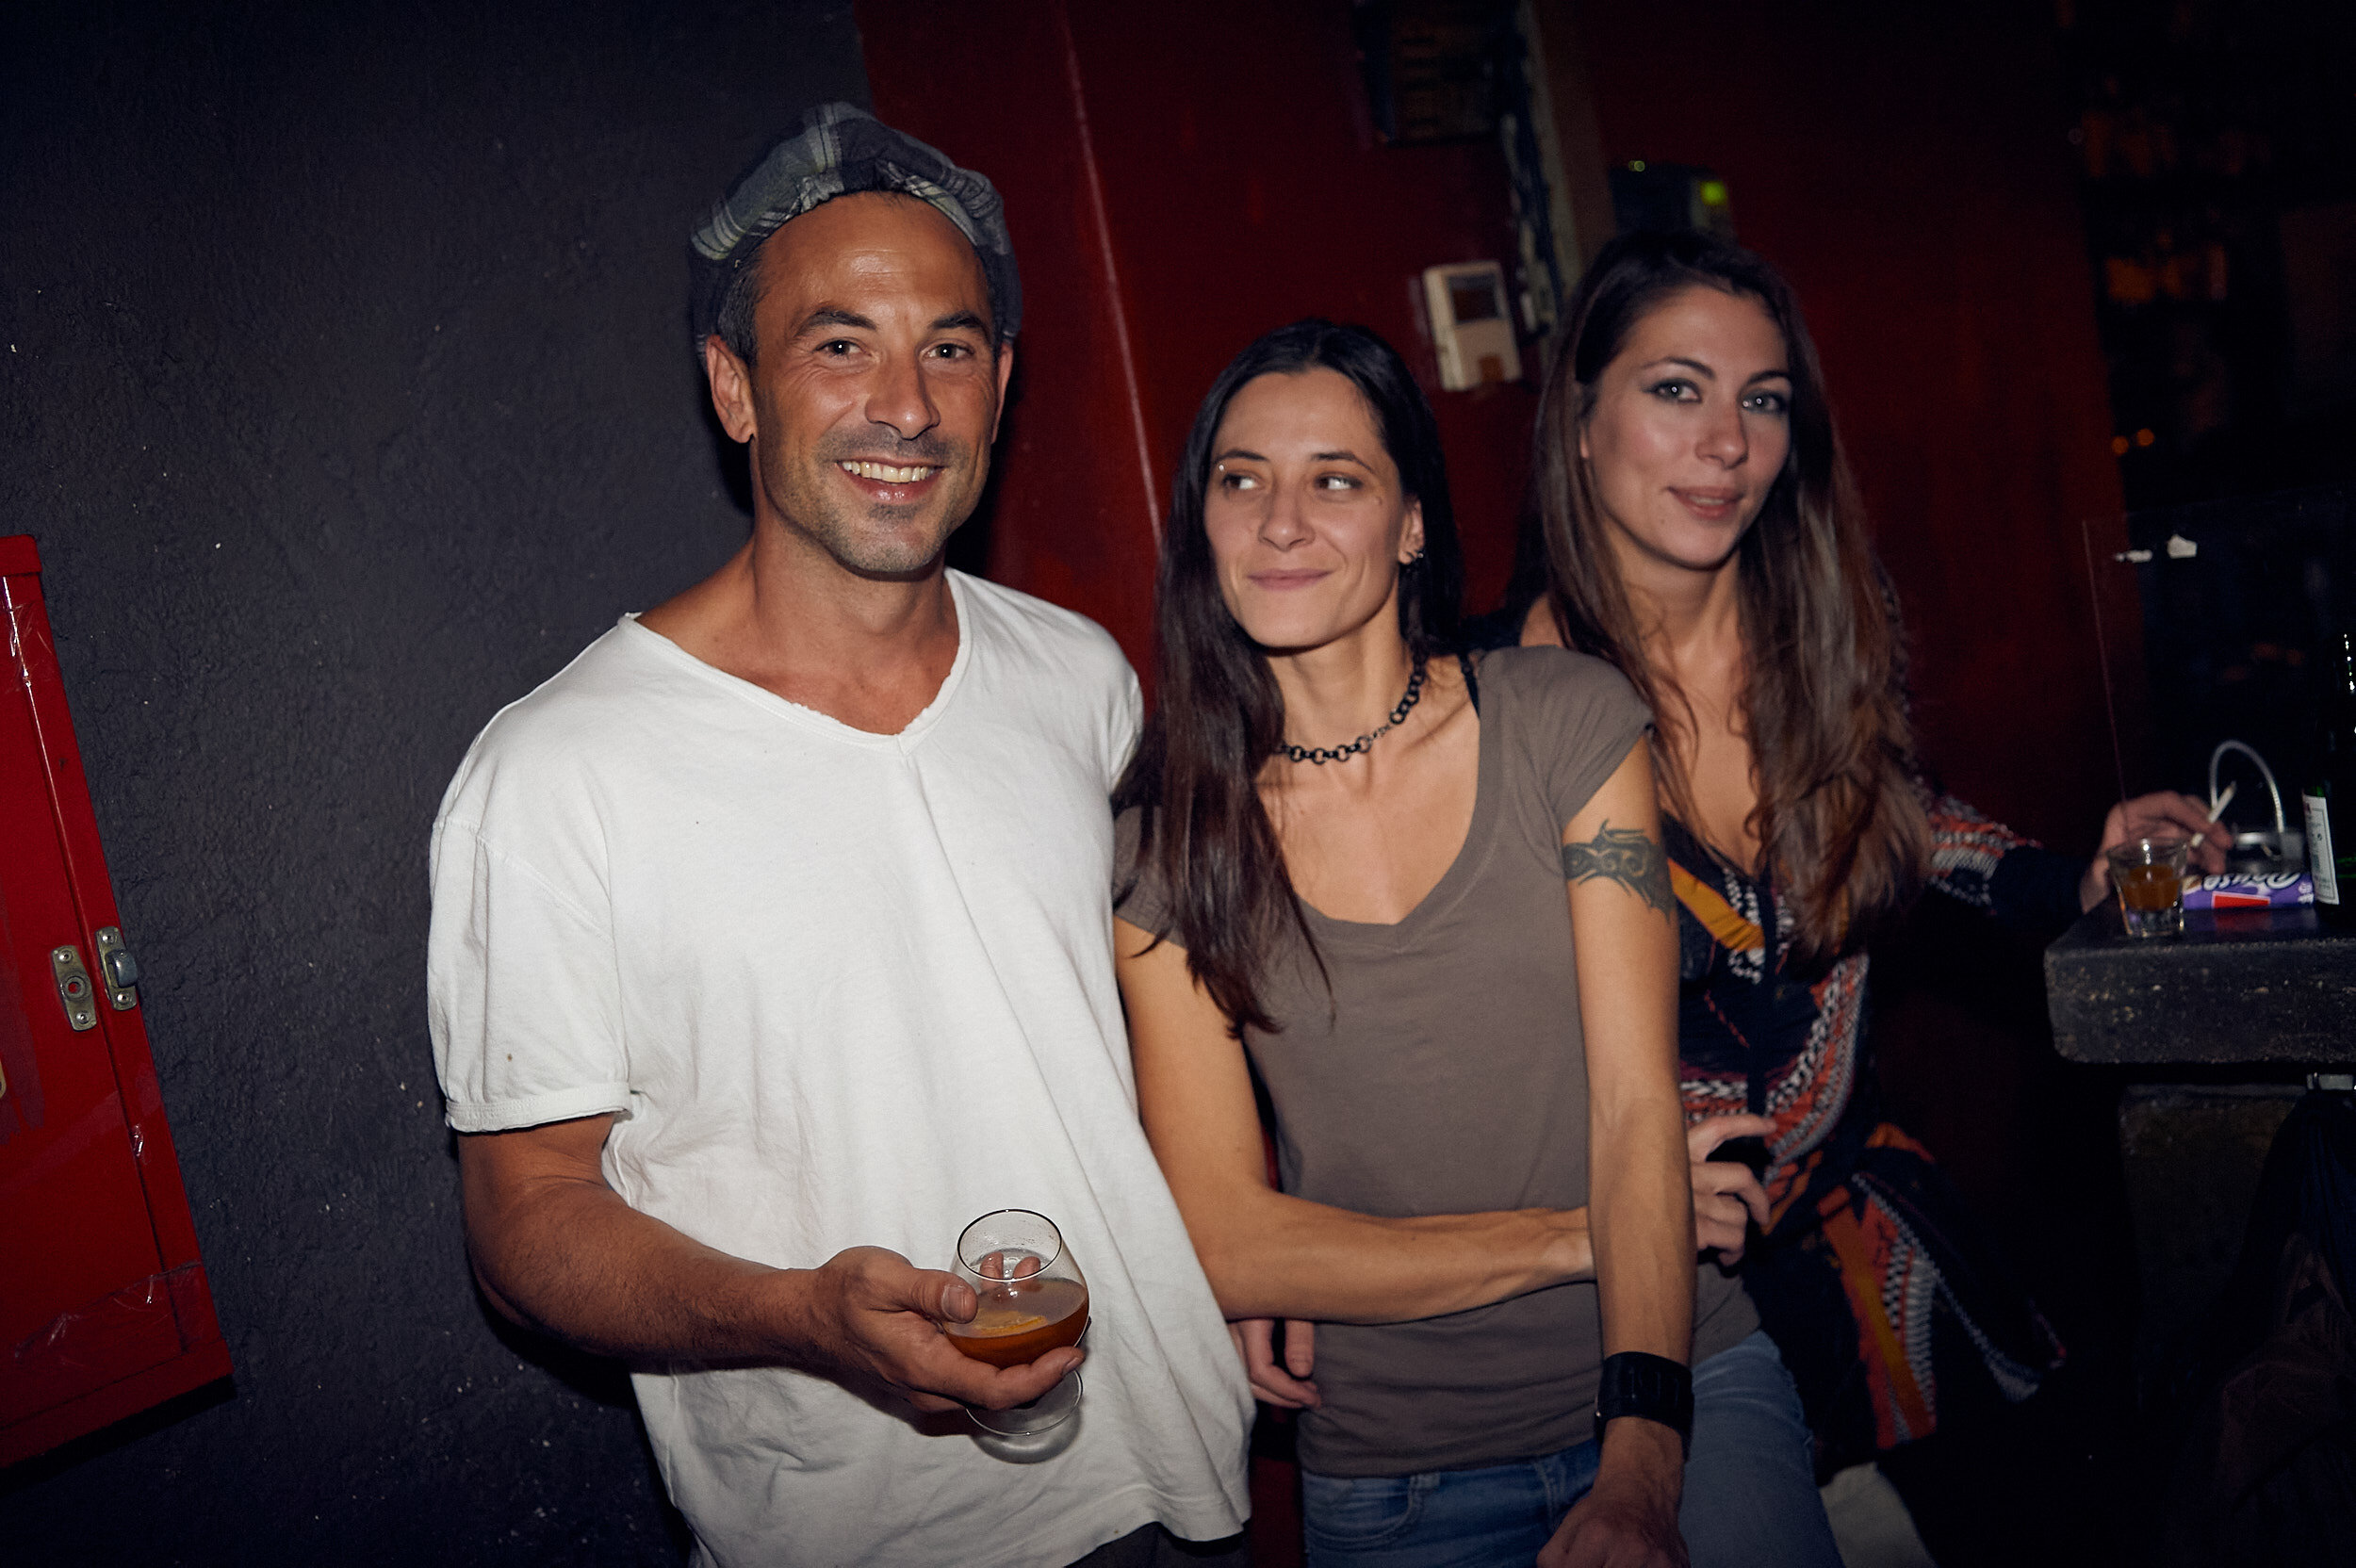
x=2279, y=891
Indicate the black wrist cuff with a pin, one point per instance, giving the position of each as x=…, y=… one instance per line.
x=1654, y=1387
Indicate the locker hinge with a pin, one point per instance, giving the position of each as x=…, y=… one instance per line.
x=74, y=987
x=116, y=969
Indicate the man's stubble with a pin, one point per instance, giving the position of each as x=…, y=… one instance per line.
x=866, y=538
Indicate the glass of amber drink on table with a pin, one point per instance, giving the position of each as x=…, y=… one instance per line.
x=1033, y=1299
x=2150, y=876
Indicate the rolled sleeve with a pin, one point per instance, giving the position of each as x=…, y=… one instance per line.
x=521, y=994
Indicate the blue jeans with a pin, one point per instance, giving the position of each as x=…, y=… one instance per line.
x=1750, y=1490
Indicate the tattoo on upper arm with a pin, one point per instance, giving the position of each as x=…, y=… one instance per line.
x=1629, y=857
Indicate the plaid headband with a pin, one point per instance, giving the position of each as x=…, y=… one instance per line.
x=840, y=151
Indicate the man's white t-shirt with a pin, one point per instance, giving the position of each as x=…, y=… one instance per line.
x=841, y=989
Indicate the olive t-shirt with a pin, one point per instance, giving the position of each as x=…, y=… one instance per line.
x=1446, y=1074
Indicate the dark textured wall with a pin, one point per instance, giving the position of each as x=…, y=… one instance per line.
x=346, y=389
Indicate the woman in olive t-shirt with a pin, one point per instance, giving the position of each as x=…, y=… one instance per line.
x=1486, y=1208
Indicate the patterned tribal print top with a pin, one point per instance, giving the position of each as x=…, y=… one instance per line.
x=1871, y=1277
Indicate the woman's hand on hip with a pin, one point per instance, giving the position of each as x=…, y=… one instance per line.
x=1628, y=1518
x=1283, y=1383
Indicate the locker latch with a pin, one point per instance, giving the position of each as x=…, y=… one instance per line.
x=74, y=987
x=116, y=969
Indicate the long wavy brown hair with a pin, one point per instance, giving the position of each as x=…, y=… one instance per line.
x=1219, y=714
x=1841, y=817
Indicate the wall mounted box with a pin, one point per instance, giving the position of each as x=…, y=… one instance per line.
x=1472, y=331
x=104, y=1307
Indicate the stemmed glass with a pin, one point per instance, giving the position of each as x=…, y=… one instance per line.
x=1033, y=1300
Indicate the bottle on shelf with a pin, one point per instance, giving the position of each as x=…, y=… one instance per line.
x=2330, y=795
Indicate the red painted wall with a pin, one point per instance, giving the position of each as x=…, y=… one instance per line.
x=1907, y=167
x=1241, y=186
x=1066, y=516
x=1179, y=179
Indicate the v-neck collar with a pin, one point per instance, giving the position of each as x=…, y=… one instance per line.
x=1448, y=891
x=760, y=696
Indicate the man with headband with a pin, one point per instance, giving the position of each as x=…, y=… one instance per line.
x=771, y=944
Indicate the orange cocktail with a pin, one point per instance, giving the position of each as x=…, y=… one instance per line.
x=1022, y=1320
x=1033, y=1298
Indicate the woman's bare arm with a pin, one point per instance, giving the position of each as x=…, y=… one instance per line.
x=1269, y=1255
x=1624, y=923
x=1640, y=1193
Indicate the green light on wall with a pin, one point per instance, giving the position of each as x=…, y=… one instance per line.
x=1713, y=193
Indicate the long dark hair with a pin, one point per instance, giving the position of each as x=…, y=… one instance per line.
x=1841, y=817
x=1218, y=715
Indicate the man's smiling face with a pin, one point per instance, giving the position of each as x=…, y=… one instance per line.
x=874, y=395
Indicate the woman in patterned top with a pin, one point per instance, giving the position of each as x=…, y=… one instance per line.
x=1696, y=523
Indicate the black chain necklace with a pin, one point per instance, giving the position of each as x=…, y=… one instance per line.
x=1322, y=755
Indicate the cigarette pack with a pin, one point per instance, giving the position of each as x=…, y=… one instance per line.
x=2276, y=890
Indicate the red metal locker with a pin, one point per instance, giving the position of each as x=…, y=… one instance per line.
x=103, y=1308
